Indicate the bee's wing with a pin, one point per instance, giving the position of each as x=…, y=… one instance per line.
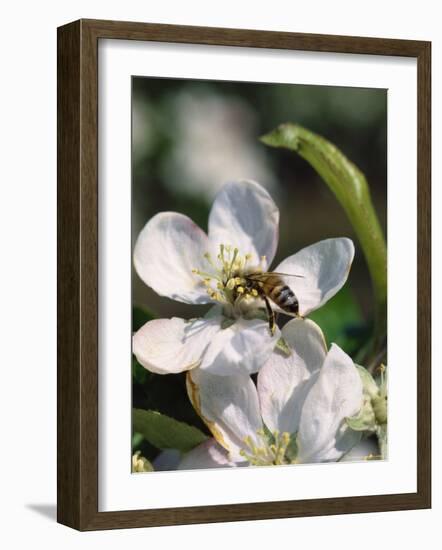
x=272, y=278
x=287, y=274
x=267, y=280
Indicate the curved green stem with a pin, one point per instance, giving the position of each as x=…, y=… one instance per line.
x=350, y=187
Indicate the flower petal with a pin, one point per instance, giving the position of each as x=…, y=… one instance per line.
x=166, y=251
x=243, y=347
x=324, y=267
x=245, y=216
x=284, y=381
x=323, y=435
x=228, y=405
x=173, y=345
x=167, y=460
x=207, y=455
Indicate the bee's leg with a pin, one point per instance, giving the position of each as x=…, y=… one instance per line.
x=270, y=315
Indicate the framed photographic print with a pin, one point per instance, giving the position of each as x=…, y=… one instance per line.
x=236, y=339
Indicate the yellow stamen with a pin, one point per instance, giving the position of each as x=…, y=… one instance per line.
x=232, y=263
x=231, y=283
x=267, y=449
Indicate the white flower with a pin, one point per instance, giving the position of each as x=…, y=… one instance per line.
x=178, y=260
x=297, y=412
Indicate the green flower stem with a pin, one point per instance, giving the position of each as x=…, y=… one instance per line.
x=350, y=187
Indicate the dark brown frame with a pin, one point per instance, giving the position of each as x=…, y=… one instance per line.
x=78, y=270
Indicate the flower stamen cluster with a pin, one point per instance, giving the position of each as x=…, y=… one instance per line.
x=271, y=451
x=225, y=279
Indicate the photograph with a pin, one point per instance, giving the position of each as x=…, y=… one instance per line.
x=218, y=270
x=259, y=274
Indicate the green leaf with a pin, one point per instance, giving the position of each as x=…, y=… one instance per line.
x=341, y=321
x=139, y=373
x=140, y=316
x=137, y=439
x=350, y=187
x=164, y=432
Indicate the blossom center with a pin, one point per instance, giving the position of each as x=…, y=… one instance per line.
x=224, y=277
x=267, y=449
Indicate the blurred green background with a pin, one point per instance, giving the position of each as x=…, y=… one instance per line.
x=190, y=137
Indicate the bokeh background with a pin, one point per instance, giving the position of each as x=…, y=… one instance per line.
x=190, y=137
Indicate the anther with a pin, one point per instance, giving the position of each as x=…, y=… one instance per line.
x=231, y=283
x=232, y=263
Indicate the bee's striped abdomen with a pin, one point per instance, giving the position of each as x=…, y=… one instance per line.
x=284, y=297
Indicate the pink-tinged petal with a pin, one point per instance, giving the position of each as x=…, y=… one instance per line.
x=284, y=381
x=166, y=251
x=228, y=405
x=323, y=267
x=244, y=216
x=337, y=394
x=173, y=345
x=207, y=455
x=242, y=347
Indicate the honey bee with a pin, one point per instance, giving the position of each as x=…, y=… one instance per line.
x=270, y=286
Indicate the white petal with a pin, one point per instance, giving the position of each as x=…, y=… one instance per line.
x=346, y=439
x=207, y=455
x=284, y=381
x=173, y=345
x=166, y=251
x=228, y=405
x=245, y=216
x=324, y=267
x=337, y=394
x=243, y=347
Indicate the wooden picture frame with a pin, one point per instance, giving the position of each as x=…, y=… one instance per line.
x=78, y=274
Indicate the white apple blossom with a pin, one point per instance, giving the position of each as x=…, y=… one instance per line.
x=179, y=260
x=295, y=414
